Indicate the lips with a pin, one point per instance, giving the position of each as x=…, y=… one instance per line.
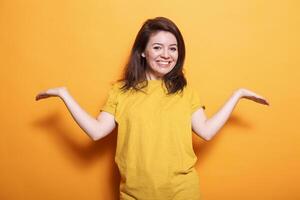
x=164, y=61
x=163, y=64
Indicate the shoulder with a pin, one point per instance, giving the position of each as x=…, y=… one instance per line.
x=193, y=95
x=191, y=92
x=190, y=89
x=117, y=85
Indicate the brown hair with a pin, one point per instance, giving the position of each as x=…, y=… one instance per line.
x=135, y=69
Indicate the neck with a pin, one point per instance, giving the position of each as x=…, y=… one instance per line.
x=151, y=76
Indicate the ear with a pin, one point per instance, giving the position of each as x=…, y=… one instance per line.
x=143, y=55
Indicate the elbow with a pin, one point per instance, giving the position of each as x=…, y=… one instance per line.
x=97, y=133
x=93, y=137
x=204, y=131
x=207, y=138
x=96, y=137
x=209, y=133
x=204, y=135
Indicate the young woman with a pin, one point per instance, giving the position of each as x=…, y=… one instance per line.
x=155, y=110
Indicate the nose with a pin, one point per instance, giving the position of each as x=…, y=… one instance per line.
x=165, y=54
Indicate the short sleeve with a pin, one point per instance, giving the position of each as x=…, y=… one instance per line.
x=195, y=101
x=111, y=103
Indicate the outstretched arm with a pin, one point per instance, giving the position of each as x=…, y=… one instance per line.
x=207, y=128
x=94, y=128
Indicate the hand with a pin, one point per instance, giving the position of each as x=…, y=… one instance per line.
x=247, y=94
x=53, y=92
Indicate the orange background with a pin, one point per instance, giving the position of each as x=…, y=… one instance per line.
x=83, y=45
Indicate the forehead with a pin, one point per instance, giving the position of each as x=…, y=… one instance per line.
x=163, y=37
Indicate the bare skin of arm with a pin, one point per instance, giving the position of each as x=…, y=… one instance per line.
x=208, y=128
x=99, y=127
x=95, y=128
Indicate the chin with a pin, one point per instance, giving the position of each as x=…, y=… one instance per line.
x=164, y=70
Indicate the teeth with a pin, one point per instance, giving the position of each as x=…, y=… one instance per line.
x=164, y=62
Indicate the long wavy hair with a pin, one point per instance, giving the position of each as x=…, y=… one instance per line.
x=134, y=75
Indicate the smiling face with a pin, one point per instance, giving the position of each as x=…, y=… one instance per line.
x=161, y=54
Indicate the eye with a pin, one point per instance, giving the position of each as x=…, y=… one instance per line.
x=173, y=49
x=156, y=47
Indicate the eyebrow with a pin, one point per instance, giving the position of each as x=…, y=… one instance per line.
x=162, y=44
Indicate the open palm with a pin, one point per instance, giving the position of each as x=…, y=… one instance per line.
x=247, y=94
x=53, y=92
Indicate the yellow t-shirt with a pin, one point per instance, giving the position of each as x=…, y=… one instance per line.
x=154, y=151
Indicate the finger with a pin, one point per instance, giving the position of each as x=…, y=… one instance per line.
x=266, y=102
x=263, y=101
x=258, y=100
x=38, y=97
x=41, y=96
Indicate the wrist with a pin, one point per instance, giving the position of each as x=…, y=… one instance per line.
x=238, y=93
x=62, y=92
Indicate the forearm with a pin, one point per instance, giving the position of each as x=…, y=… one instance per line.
x=87, y=123
x=217, y=121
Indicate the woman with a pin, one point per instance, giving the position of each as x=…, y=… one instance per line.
x=155, y=110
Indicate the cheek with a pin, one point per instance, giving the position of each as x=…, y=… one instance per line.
x=151, y=59
x=152, y=55
x=175, y=56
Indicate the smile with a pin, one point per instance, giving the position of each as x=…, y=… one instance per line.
x=163, y=62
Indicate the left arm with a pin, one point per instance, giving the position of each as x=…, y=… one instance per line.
x=207, y=128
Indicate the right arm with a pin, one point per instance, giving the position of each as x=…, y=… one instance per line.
x=95, y=128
